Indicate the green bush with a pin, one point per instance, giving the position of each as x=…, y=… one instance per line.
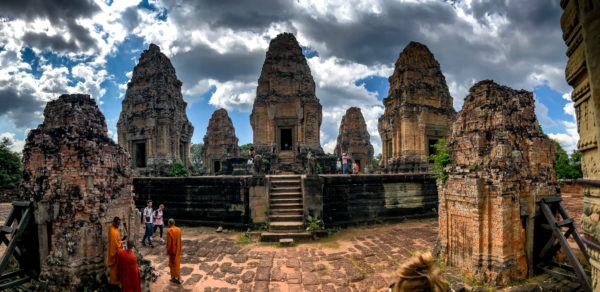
x=440, y=159
x=315, y=224
x=10, y=166
x=179, y=170
x=567, y=167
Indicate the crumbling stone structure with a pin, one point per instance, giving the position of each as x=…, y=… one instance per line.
x=220, y=142
x=580, y=23
x=502, y=166
x=79, y=180
x=418, y=111
x=354, y=139
x=153, y=125
x=286, y=115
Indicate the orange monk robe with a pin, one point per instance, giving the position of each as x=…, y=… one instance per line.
x=114, y=244
x=128, y=272
x=174, y=250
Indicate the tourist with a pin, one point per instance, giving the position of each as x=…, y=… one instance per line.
x=344, y=163
x=174, y=250
x=147, y=215
x=354, y=167
x=357, y=167
x=419, y=274
x=251, y=153
x=338, y=166
x=128, y=272
x=114, y=244
x=158, y=221
x=250, y=161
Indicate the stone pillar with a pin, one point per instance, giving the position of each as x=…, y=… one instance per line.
x=502, y=167
x=580, y=23
x=79, y=180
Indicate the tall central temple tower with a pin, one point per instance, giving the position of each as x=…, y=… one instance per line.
x=418, y=111
x=286, y=116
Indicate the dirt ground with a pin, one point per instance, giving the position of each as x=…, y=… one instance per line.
x=354, y=259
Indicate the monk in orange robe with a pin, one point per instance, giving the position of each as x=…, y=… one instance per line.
x=114, y=244
x=174, y=250
x=128, y=272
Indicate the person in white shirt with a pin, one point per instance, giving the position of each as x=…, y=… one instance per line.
x=147, y=216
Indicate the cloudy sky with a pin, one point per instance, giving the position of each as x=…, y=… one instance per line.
x=51, y=47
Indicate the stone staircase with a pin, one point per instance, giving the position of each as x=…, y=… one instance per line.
x=286, y=211
x=286, y=161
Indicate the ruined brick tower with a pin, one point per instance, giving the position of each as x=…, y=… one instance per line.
x=502, y=166
x=153, y=125
x=79, y=180
x=220, y=142
x=418, y=111
x=286, y=115
x=354, y=139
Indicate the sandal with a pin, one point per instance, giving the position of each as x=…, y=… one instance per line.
x=176, y=281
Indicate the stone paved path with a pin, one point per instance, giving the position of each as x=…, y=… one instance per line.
x=358, y=259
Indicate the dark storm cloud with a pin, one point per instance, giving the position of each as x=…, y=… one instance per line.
x=130, y=18
x=253, y=15
x=60, y=13
x=20, y=107
x=203, y=62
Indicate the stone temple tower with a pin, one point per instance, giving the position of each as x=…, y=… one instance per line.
x=418, y=111
x=286, y=116
x=153, y=125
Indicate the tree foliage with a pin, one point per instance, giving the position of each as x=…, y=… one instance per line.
x=567, y=167
x=10, y=166
x=440, y=159
x=196, y=156
x=244, y=149
x=179, y=170
x=376, y=160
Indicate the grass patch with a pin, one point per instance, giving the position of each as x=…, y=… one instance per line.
x=245, y=238
x=327, y=242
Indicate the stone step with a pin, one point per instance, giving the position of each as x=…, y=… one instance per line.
x=275, y=201
x=294, y=194
x=286, y=226
x=286, y=242
x=291, y=188
x=286, y=196
x=286, y=217
x=298, y=211
x=275, y=237
x=286, y=206
x=288, y=180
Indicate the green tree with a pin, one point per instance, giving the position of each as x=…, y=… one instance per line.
x=376, y=160
x=244, y=149
x=440, y=159
x=179, y=170
x=196, y=155
x=567, y=167
x=10, y=166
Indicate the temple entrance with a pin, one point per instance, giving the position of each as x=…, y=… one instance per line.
x=360, y=167
x=140, y=154
x=216, y=166
x=286, y=139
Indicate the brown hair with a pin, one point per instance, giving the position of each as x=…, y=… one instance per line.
x=419, y=274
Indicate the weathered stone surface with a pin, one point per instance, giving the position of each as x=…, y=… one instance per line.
x=286, y=109
x=580, y=24
x=220, y=142
x=79, y=179
x=503, y=165
x=153, y=125
x=355, y=140
x=418, y=111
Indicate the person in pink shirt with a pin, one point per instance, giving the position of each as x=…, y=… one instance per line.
x=158, y=221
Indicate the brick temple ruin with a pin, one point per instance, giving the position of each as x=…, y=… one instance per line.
x=580, y=24
x=78, y=180
x=220, y=143
x=153, y=125
x=354, y=139
x=418, y=111
x=502, y=166
x=286, y=115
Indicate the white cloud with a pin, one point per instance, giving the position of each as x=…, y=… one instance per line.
x=17, y=145
x=233, y=95
x=569, y=109
x=569, y=139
